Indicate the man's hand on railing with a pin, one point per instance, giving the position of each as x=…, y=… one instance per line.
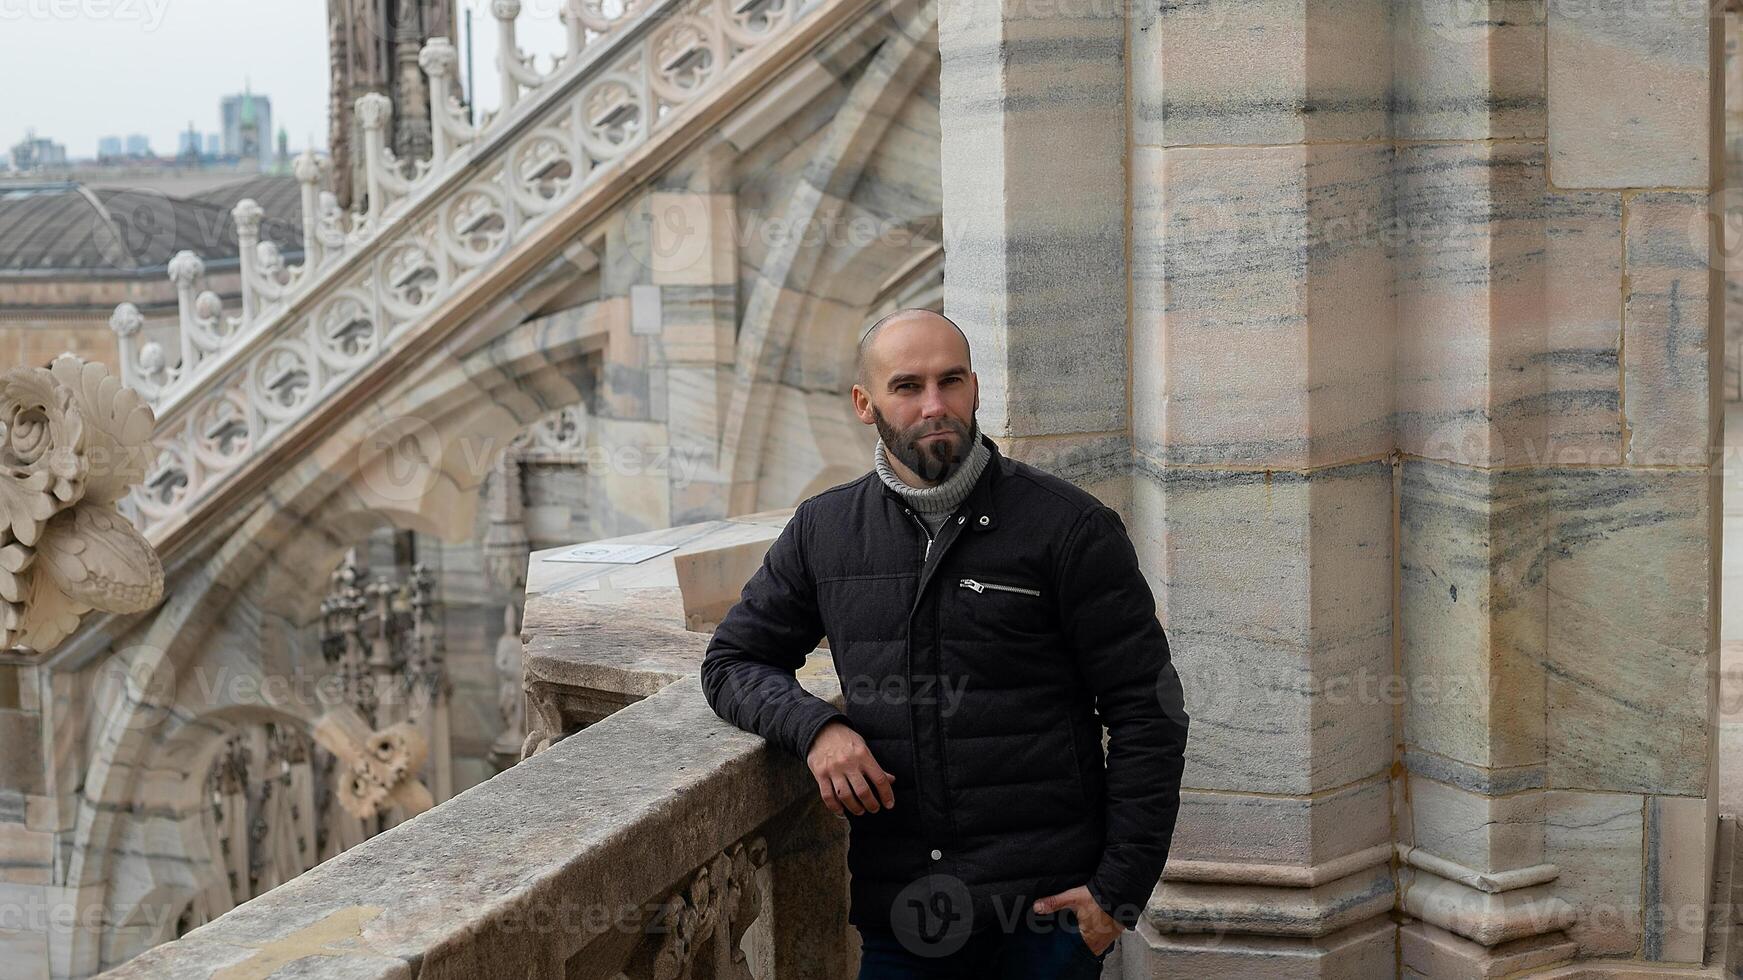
x=847, y=775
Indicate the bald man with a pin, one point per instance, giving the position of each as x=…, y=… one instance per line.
x=987, y=620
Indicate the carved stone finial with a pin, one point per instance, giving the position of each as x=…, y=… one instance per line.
x=505, y=9
x=247, y=214
x=438, y=57
x=75, y=442
x=185, y=268
x=207, y=306
x=307, y=167
x=373, y=110
x=126, y=320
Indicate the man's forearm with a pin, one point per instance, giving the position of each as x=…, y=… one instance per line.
x=1146, y=758
x=765, y=699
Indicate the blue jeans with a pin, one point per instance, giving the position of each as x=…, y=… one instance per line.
x=1041, y=947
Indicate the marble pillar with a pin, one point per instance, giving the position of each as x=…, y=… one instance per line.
x=1493, y=379
x=1032, y=121
x=1263, y=336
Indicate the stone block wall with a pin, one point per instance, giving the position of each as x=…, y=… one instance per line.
x=1422, y=384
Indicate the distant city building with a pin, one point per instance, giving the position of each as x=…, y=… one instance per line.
x=214, y=145
x=247, y=127
x=38, y=154
x=108, y=147
x=138, y=145
x=188, y=144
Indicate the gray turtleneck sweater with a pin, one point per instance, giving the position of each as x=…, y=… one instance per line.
x=935, y=504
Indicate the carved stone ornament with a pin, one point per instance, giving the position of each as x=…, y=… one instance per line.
x=73, y=441
x=698, y=933
x=377, y=769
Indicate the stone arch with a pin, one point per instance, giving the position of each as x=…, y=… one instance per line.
x=786, y=290
x=497, y=389
x=170, y=809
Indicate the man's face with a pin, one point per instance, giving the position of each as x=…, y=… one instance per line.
x=924, y=402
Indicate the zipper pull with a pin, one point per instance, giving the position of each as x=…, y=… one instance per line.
x=969, y=583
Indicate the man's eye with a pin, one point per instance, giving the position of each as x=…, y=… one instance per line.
x=906, y=384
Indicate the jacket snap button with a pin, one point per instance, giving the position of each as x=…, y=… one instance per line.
x=937, y=854
x=985, y=520
x=959, y=520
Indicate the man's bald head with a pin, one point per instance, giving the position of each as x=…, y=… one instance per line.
x=866, y=361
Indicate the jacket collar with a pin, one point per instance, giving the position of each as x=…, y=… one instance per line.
x=978, y=506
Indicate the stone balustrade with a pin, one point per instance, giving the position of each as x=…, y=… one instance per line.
x=654, y=841
x=427, y=232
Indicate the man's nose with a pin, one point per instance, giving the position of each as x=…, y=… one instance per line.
x=934, y=406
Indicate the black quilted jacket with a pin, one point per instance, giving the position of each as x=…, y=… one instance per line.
x=980, y=675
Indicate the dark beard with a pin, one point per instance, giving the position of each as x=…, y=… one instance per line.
x=931, y=461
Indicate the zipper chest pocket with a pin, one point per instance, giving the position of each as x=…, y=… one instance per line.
x=979, y=586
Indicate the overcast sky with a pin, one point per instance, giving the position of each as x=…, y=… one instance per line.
x=77, y=70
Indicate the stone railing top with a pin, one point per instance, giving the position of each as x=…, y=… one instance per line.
x=600, y=635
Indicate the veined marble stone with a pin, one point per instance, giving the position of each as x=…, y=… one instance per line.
x=1628, y=656
x=1595, y=840
x=1469, y=70
x=1274, y=295
x=1472, y=610
x=1279, y=620
x=1666, y=310
x=1628, y=94
x=1245, y=72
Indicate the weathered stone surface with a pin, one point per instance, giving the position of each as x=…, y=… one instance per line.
x=1582, y=378
x=1628, y=94
x=1361, y=951
x=1468, y=70
x=1666, y=308
x=1470, y=253
x=1628, y=641
x=1032, y=120
x=1677, y=878
x=1595, y=839
x=1430, y=952
x=1262, y=281
x=1294, y=834
x=1472, y=608
x=1731, y=728
x=1276, y=602
x=1243, y=72
x=521, y=872
x=1483, y=833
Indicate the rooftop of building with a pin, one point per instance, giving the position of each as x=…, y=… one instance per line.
x=70, y=228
